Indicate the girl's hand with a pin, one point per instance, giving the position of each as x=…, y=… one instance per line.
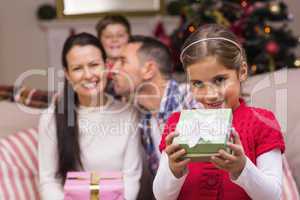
x=175, y=153
x=233, y=163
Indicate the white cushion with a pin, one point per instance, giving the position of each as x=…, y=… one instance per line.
x=15, y=117
x=280, y=92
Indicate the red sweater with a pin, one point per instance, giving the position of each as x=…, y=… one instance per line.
x=259, y=132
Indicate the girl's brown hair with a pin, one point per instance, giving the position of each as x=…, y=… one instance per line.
x=226, y=47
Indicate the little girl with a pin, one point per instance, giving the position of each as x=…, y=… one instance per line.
x=215, y=63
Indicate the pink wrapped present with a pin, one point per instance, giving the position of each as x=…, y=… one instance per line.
x=94, y=186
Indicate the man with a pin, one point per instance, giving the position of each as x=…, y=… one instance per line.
x=144, y=76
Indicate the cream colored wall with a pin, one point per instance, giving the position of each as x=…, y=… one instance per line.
x=23, y=44
x=294, y=8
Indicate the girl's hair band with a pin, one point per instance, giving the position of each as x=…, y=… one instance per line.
x=207, y=39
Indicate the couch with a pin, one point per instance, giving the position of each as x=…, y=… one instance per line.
x=279, y=92
x=275, y=91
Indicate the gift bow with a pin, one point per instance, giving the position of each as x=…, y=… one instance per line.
x=94, y=186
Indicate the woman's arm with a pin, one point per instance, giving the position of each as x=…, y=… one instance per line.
x=166, y=186
x=265, y=180
x=132, y=168
x=50, y=187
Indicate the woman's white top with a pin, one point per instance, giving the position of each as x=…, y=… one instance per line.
x=109, y=141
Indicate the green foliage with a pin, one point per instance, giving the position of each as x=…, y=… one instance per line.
x=262, y=27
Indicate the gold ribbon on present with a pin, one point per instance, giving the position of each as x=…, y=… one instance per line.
x=94, y=186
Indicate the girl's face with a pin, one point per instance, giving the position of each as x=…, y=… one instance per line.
x=113, y=38
x=214, y=85
x=86, y=71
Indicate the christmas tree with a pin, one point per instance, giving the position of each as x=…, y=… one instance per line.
x=262, y=27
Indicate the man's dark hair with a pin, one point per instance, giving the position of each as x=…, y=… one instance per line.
x=152, y=49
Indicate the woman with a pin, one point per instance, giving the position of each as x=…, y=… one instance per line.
x=86, y=129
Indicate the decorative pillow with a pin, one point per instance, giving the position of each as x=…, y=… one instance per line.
x=33, y=98
x=15, y=117
x=19, y=166
x=26, y=96
x=6, y=92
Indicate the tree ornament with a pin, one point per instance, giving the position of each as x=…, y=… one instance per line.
x=274, y=8
x=244, y=4
x=297, y=63
x=272, y=47
x=267, y=29
x=192, y=28
x=160, y=33
x=290, y=17
x=220, y=19
x=253, y=68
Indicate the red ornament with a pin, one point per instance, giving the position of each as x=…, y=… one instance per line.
x=249, y=10
x=160, y=33
x=272, y=47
